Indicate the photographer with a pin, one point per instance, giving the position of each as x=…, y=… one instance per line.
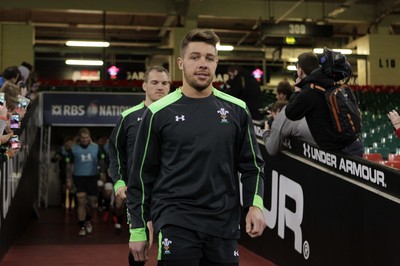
x=278, y=128
x=309, y=101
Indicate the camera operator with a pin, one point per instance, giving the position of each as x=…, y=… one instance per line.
x=309, y=101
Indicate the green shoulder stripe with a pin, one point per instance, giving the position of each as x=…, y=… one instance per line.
x=133, y=109
x=229, y=98
x=167, y=100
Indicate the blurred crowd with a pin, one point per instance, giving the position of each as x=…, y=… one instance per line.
x=18, y=88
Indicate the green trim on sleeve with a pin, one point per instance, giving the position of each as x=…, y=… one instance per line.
x=258, y=202
x=142, y=165
x=138, y=234
x=124, y=114
x=256, y=166
x=159, y=245
x=118, y=184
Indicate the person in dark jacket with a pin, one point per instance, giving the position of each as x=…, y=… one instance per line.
x=189, y=150
x=243, y=85
x=309, y=102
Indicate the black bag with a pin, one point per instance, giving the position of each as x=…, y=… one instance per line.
x=344, y=112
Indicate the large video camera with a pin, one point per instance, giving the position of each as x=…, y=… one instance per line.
x=335, y=65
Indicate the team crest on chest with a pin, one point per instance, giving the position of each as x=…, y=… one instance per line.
x=224, y=115
x=166, y=246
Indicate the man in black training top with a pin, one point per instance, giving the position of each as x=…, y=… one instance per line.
x=122, y=141
x=189, y=149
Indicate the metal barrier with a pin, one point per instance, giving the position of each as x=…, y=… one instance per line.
x=324, y=208
x=18, y=182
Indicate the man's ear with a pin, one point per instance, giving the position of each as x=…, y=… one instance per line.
x=180, y=63
x=144, y=86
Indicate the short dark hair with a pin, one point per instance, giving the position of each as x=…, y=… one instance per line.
x=199, y=35
x=157, y=68
x=27, y=65
x=285, y=88
x=308, y=62
x=10, y=72
x=233, y=68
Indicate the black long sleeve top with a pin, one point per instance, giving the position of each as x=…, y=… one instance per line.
x=188, y=154
x=122, y=142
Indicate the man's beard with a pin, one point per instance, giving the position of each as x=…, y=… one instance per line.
x=198, y=87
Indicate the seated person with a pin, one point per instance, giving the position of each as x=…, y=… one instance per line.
x=282, y=128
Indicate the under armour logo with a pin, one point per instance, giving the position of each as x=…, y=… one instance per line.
x=139, y=118
x=86, y=158
x=236, y=253
x=307, y=152
x=179, y=118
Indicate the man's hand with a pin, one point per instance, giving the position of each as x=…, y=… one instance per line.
x=121, y=193
x=140, y=250
x=255, y=222
x=394, y=118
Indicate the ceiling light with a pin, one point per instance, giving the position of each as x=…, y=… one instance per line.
x=224, y=47
x=342, y=51
x=87, y=44
x=291, y=68
x=81, y=62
